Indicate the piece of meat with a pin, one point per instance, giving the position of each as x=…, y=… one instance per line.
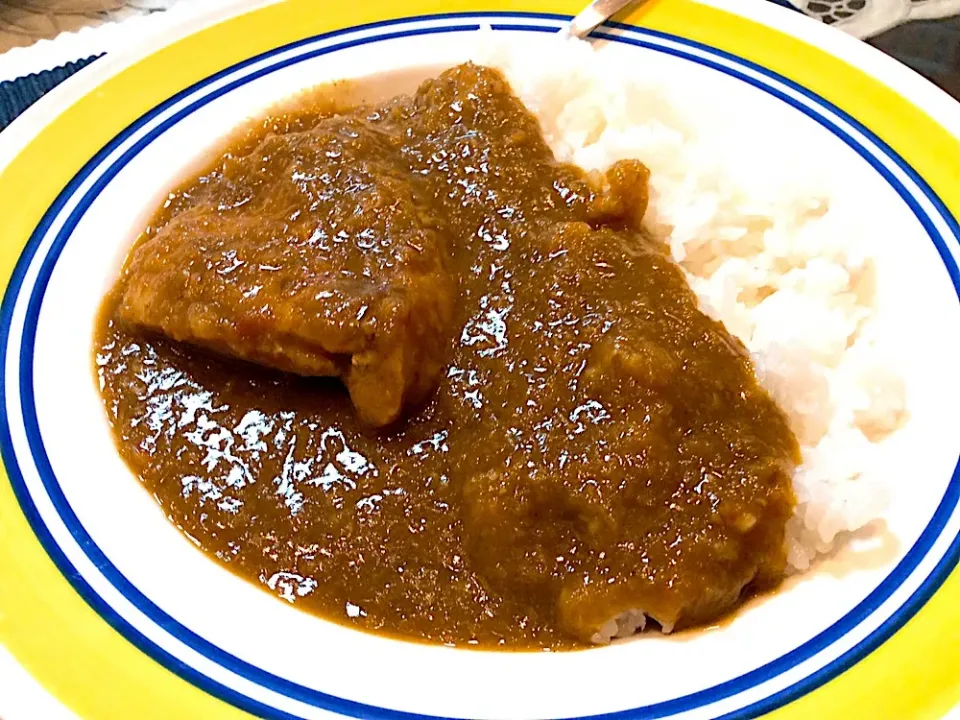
x=312, y=254
x=644, y=473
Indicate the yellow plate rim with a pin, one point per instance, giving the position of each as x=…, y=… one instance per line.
x=34, y=623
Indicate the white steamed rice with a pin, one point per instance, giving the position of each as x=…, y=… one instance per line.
x=775, y=247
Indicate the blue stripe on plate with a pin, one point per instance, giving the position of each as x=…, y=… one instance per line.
x=19, y=94
x=355, y=709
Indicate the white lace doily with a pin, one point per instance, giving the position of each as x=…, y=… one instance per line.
x=866, y=18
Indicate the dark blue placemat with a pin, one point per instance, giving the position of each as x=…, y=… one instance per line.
x=17, y=95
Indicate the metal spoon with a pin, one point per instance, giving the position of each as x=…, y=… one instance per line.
x=591, y=16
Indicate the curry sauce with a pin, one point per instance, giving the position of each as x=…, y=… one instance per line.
x=405, y=370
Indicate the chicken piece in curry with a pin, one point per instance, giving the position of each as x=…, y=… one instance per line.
x=404, y=369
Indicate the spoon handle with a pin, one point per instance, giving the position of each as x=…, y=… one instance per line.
x=594, y=14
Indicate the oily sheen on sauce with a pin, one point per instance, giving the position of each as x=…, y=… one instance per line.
x=402, y=368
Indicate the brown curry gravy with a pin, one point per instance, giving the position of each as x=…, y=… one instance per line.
x=594, y=443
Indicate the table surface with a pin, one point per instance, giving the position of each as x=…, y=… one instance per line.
x=23, y=22
x=931, y=47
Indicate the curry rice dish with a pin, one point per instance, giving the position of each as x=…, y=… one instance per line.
x=408, y=371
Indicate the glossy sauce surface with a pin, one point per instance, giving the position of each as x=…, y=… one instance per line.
x=589, y=443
